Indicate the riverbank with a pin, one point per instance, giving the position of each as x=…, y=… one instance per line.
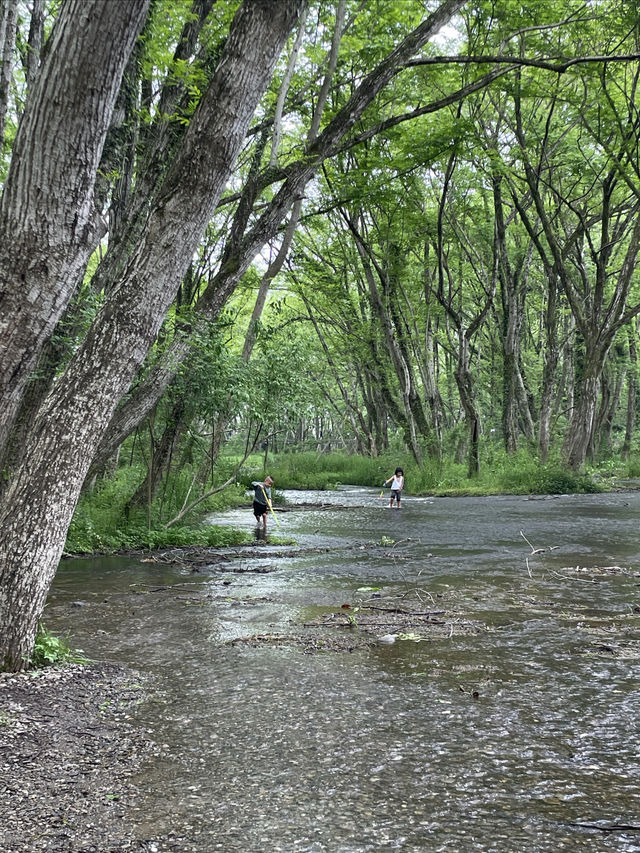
x=68, y=751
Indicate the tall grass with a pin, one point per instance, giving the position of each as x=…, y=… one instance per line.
x=632, y=467
x=503, y=473
x=318, y=471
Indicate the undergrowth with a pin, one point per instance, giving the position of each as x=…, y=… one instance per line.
x=83, y=538
x=104, y=520
x=50, y=650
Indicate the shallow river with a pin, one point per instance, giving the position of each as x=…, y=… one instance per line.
x=522, y=736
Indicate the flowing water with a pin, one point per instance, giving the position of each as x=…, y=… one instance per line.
x=522, y=736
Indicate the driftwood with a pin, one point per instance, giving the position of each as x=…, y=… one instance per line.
x=404, y=610
x=608, y=827
x=538, y=550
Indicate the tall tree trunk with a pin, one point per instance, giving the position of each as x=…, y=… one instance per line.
x=582, y=422
x=464, y=381
x=46, y=211
x=34, y=44
x=549, y=369
x=598, y=338
x=613, y=378
x=80, y=405
x=632, y=386
x=511, y=322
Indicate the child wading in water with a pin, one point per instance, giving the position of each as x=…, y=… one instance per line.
x=262, y=500
x=397, y=484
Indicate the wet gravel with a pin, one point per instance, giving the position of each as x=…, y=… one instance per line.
x=68, y=751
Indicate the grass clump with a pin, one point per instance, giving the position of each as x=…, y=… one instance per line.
x=83, y=539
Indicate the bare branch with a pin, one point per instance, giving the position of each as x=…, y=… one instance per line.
x=558, y=67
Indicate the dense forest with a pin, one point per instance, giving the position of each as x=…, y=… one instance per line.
x=275, y=226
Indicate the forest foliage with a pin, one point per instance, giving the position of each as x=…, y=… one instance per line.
x=462, y=276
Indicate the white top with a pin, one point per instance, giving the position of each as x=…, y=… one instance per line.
x=397, y=483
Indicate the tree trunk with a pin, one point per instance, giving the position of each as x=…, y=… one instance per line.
x=613, y=378
x=46, y=212
x=511, y=322
x=549, y=368
x=34, y=45
x=632, y=385
x=73, y=418
x=581, y=425
x=598, y=338
x=464, y=381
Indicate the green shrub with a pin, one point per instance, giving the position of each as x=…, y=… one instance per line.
x=554, y=479
x=50, y=650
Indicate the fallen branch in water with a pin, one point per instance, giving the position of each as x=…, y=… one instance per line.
x=609, y=827
x=403, y=610
x=569, y=578
x=167, y=588
x=538, y=550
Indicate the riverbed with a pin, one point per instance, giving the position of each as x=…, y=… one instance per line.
x=518, y=733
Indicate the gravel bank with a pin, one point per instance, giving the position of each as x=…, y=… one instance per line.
x=68, y=750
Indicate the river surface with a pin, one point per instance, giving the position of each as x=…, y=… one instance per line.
x=523, y=736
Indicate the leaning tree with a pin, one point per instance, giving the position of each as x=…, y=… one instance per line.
x=46, y=220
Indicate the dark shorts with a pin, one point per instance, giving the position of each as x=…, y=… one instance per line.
x=259, y=509
x=396, y=493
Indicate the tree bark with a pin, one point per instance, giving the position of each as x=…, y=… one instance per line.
x=632, y=387
x=46, y=211
x=464, y=381
x=549, y=369
x=604, y=423
x=581, y=425
x=34, y=45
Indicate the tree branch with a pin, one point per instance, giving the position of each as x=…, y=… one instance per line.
x=546, y=65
